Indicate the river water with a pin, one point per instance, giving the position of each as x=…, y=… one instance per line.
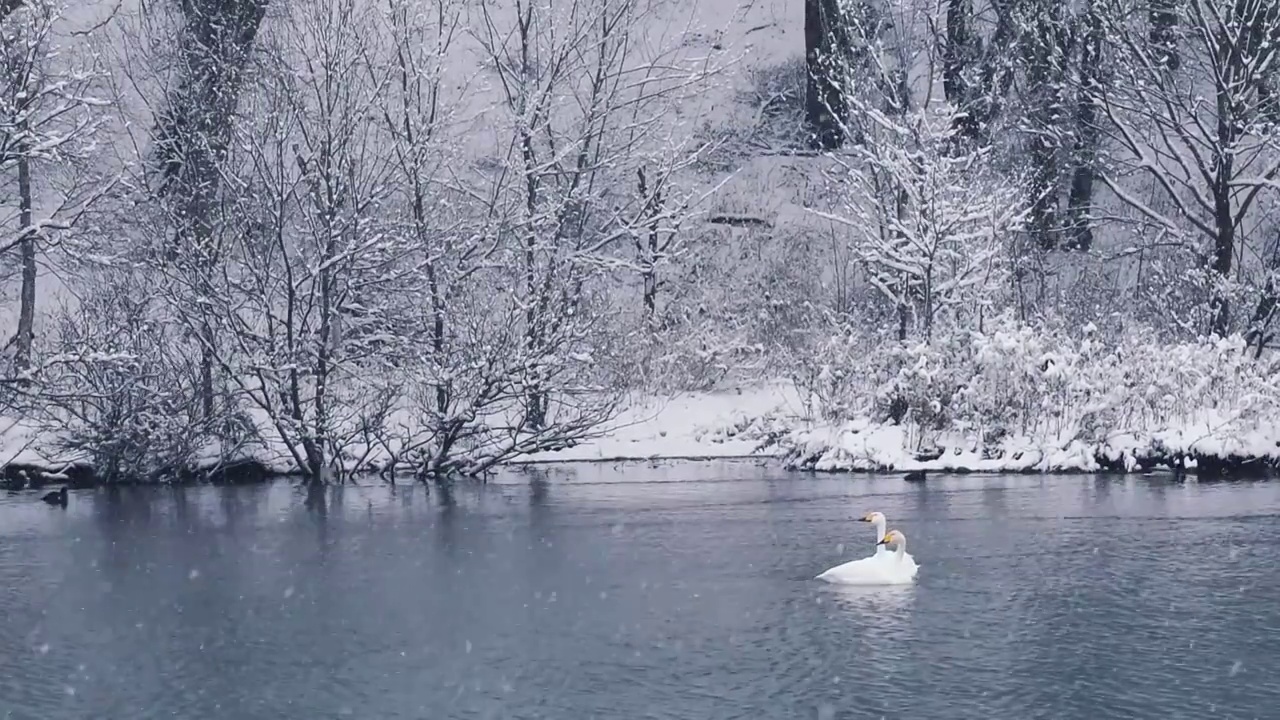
x=675, y=591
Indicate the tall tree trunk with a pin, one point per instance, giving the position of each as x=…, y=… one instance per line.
x=1223, y=251
x=825, y=59
x=1264, y=313
x=1264, y=33
x=649, y=247
x=535, y=395
x=1043, y=52
x=192, y=135
x=320, y=441
x=958, y=55
x=1084, y=149
x=535, y=398
x=27, y=305
x=977, y=77
x=1230, y=127
x=1163, y=34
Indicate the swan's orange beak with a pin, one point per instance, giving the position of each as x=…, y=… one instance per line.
x=883, y=542
x=866, y=518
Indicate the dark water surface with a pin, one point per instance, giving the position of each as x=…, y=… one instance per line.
x=681, y=591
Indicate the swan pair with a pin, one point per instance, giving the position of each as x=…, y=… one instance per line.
x=883, y=567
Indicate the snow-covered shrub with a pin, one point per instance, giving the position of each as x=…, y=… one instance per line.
x=120, y=386
x=928, y=218
x=1032, y=381
x=693, y=351
x=924, y=381
x=744, y=303
x=830, y=375
x=1049, y=386
x=769, y=115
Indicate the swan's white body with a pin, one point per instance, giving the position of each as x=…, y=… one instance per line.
x=883, y=568
x=855, y=567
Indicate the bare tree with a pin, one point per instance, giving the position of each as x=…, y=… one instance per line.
x=214, y=43
x=588, y=108
x=465, y=407
x=118, y=383
x=930, y=223
x=1199, y=136
x=50, y=112
x=306, y=257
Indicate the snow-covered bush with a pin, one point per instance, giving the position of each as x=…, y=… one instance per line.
x=1048, y=386
x=928, y=218
x=120, y=386
x=744, y=304
x=1032, y=381
x=859, y=370
x=832, y=375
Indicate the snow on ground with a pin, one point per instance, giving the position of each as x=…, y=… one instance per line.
x=727, y=423
x=863, y=446
x=708, y=425
x=736, y=422
x=869, y=447
x=22, y=444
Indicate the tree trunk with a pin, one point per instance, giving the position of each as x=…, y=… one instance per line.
x=191, y=137
x=977, y=78
x=27, y=306
x=824, y=57
x=534, y=396
x=1228, y=131
x=437, y=338
x=1084, y=150
x=1263, y=315
x=958, y=55
x=649, y=248
x=1163, y=23
x=321, y=403
x=1044, y=45
x=1264, y=33
x=1224, y=249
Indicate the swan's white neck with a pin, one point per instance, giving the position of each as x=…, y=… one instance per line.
x=879, y=523
x=902, y=549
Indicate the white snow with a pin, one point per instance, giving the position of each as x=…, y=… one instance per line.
x=735, y=422
x=725, y=423
x=863, y=446
x=23, y=443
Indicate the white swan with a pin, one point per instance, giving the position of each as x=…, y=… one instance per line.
x=853, y=566
x=878, y=520
x=890, y=568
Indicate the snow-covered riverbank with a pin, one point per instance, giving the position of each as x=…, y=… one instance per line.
x=869, y=447
x=770, y=420
x=727, y=423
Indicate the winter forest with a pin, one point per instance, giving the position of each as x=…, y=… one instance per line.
x=432, y=236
